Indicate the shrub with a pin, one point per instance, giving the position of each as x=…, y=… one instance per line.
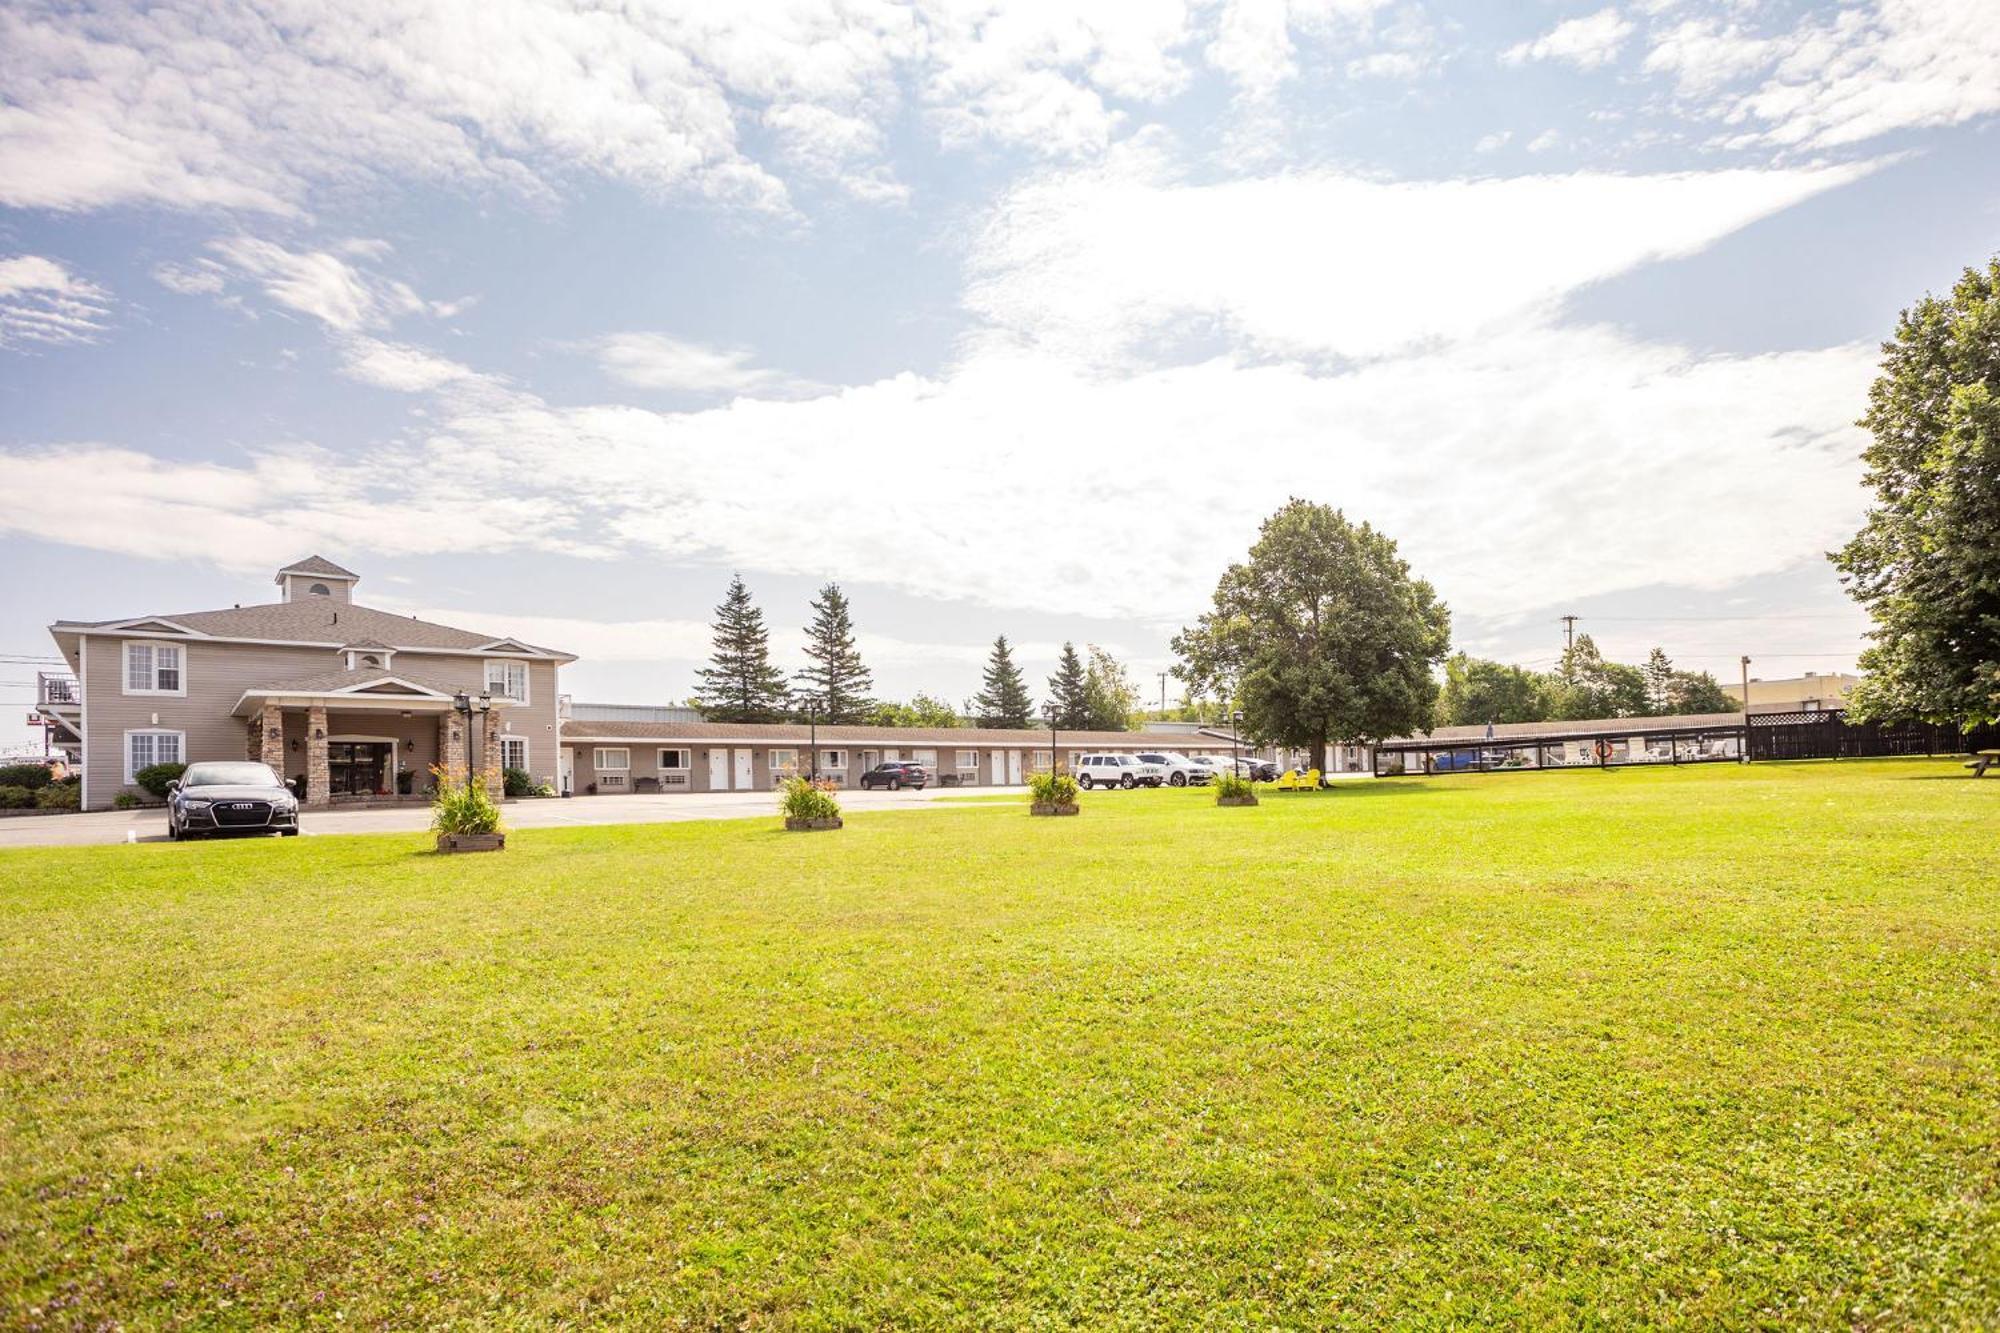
x=463, y=808
x=61, y=796
x=32, y=776
x=1052, y=789
x=155, y=777
x=125, y=800
x=806, y=799
x=16, y=798
x=546, y=789
x=1233, y=785
x=517, y=782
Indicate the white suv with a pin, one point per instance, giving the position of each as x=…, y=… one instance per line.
x=1117, y=770
x=1180, y=769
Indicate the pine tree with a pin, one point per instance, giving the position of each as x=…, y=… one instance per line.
x=1069, y=691
x=836, y=673
x=1659, y=682
x=1005, y=701
x=740, y=684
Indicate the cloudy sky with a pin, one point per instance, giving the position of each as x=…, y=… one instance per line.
x=544, y=316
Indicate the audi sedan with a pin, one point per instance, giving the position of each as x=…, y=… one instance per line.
x=215, y=799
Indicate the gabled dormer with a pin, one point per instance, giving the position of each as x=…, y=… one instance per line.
x=316, y=576
x=367, y=655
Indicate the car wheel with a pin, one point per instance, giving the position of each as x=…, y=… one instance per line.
x=1179, y=780
x=288, y=833
x=1126, y=781
x=894, y=785
x=1084, y=782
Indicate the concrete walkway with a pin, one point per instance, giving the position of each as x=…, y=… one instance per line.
x=112, y=826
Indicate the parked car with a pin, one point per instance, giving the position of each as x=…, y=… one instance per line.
x=1181, y=770
x=1117, y=770
x=896, y=774
x=218, y=799
x=1257, y=770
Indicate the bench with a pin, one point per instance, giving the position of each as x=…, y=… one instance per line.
x=1982, y=760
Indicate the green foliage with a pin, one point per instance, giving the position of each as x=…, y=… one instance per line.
x=802, y=798
x=836, y=675
x=922, y=710
x=517, y=782
x=740, y=684
x=1323, y=632
x=60, y=796
x=1109, y=696
x=1927, y=563
x=1052, y=789
x=14, y=797
x=1229, y=783
x=1698, y=692
x=32, y=776
x=459, y=807
x=1069, y=691
x=155, y=777
x=1477, y=691
x=1003, y=699
x=125, y=800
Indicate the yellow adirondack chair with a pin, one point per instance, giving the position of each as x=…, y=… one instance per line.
x=1288, y=781
x=1310, y=782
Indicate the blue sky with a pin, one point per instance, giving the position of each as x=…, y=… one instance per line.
x=545, y=317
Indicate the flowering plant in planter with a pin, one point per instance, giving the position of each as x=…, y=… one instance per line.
x=809, y=805
x=464, y=817
x=1234, y=789
x=1052, y=794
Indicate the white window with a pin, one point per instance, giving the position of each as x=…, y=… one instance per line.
x=1039, y=761
x=320, y=590
x=508, y=680
x=833, y=759
x=784, y=763
x=153, y=668
x=143, y=749
x=968, y=759
x=926, y=758
x=674, y=761
x=612, y=761
x=514, y=752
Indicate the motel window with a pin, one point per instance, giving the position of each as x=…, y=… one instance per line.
x=143, y=749
x=153, y=668
x=928, y=758
x=784, y=763
x=509, y=680
x=968, y=759
x=833, y=759
x=514, y=752
x=674, y=761
x=614, y=761
x=1039, y=761
x=320, y=590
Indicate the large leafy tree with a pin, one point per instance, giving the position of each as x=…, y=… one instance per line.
x=1069, y=691
x=1477, y=691
x=1109, y=696
x=922, y=710
x=1003, y=699
x=1322, y=632
x=1589, y=685
x=834, y=670
x=1927, y=562
x=740, y=684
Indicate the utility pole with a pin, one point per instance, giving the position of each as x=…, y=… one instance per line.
x=1163, y=693
x=1746, y=708
x=1569, y=646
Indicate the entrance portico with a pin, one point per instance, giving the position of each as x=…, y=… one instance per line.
x=354, y=735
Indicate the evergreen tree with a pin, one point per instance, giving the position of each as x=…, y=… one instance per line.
x=740, y=684
x=1005, y=701
x=835, y=673
x=1112, y=697
x=1659, y=682
x=1069, y=691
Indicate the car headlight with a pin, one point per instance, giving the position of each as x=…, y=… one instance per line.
x=196, y=804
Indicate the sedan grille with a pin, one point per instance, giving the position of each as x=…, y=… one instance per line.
x=242, y=814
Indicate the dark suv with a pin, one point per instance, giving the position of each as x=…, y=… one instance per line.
x=894, y=775
x=218, y=798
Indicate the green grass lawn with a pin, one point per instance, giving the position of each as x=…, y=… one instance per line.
x=1706, y=1047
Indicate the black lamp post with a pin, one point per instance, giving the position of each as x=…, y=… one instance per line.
x=465, y=706
x=1049, y=712
x=811, y=703
x=1235, y=763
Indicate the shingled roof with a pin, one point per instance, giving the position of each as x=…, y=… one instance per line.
x=320, y=565
x=580, y=730
x=320, y=621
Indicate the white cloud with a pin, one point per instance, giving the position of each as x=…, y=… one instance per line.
x=657, y=361
x=1588, y=42
x=321, y=284
x=1255, y=40
x=43, y=303
x=399, y=366
x=1544, y=141
x=1388, y=65
x=1106, y=266
x=1494, y=142
x=199, y=277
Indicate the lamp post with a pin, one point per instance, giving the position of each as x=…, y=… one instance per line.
x=811, y=703
x=1235, y=721
x=1049, y=712
x=464, y=705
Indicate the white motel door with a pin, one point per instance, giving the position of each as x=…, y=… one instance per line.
x=566, y=765
x=743, y=778
x=718, y=770
x=996, y=767
x=1014, y=767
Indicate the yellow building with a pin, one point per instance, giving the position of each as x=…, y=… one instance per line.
x=1814, y=692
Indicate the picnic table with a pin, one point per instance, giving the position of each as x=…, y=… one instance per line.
x=1983, y=760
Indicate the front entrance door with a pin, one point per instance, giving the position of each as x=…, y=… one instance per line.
x=743, y=776
x=718, y=770
x=566, y=767
x=1014, y=767
x=996, y=767
x=357, y=768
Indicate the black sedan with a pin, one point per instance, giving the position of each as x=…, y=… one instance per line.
x=214, y=799
x=895, y=775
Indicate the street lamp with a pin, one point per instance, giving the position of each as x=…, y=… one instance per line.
x=465, y=706
x=811, y=704
x=1049, y=712
x=1235, y=764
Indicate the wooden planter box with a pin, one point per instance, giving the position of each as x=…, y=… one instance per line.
x=471, y=842
x=1048, y=808
x=1237, y=800
x=811, y=825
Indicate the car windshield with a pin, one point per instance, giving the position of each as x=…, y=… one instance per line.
x=229, y=775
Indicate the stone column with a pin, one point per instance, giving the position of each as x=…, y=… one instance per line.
x=489, y=763
x=451, y=749
x=319, y=779
x=272, y=741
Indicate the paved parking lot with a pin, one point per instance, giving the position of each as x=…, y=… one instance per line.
x=109, y=826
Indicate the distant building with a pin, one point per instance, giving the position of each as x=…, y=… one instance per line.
x=1814, y=692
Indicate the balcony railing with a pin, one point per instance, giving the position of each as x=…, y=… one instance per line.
x=57, y=691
